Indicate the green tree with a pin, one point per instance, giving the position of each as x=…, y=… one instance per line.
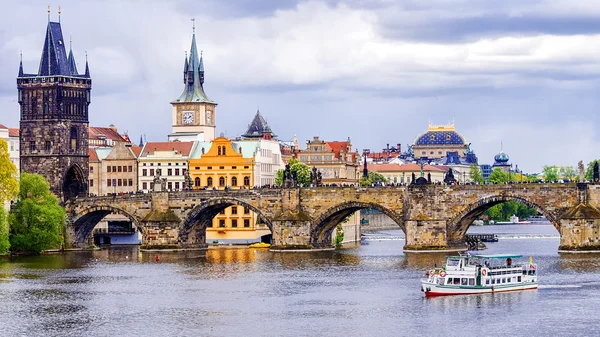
x=569, y=173
x=498, y=176
x=476, y=175
x=4, y=242
x=9, y=187
x=550, y=173
x=374, y=178
x=503, y=211
x=36, y=220
x=302, y=173
x=589, y=171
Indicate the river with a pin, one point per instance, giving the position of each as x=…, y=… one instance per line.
x=371, y=290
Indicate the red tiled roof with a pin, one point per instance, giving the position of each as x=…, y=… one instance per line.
x=3, y=127
x=93, y=155
x=402, y=168
x=137, y=150
x=181, y=147
x=13, y=132
x=96, y=132
x=337, y=147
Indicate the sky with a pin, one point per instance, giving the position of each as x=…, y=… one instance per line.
x=521, y=73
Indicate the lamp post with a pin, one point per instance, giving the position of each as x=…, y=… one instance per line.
x=464, y=177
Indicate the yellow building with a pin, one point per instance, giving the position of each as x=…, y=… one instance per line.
x=224, y=164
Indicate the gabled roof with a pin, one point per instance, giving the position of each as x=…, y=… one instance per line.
x=181, y=147
x=96, y=133
x=13, y=132
x=93, y=155
x=3, y=127
x=337, y=147
x=137, y=150
x=258, y=127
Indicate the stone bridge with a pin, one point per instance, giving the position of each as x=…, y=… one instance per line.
x=432, y=216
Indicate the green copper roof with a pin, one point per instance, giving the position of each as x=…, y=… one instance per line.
x=193, y=91
x=103, y=152
x=249, y=148
x=197, y=153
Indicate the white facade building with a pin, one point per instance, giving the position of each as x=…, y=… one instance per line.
x=168, y=158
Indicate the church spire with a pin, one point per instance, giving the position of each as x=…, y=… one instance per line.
x=87, y=68
x=71, y=59
x=185, y=68
x=201, y=69
x=21, y=65
x=141, y=141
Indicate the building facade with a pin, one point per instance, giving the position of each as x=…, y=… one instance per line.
x=54, y=118
x=11, y=136
x=168, y=160
x=403, y=174
x=193, y=112
x=106, y=137
x=336, y=161
x=113, y=170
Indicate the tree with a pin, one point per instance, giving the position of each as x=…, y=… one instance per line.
x=4, y=242
x=302, y=173
x=503, y=211
x=498, y=176
x=374, y=178
x=589, y=171
x=569, y=173
x=476, y=175
x=9, y=187
x=36, y=220
x=550, y=173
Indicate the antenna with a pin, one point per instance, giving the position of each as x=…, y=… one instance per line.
x=59, y=14
x=193, y=25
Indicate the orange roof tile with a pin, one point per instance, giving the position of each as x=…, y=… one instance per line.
x=337, y=147
x=108, y=133
x=183, y=147
x=13, y=132
x=93, y=155
x=137, y=150
x=3, y=127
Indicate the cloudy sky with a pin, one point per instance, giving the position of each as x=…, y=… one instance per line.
x=522, y=72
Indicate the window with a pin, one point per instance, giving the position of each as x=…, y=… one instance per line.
x=209, y=181
x=197, y=182
x=119, y=182
x=246, y=210
x=222, y=211
x=246, y=223
x=169, y=185
x=463, y=281
x=234, y=181
x=114, y=169
x=108, y=169
x=471, y=281
x=221, y=167
x=176, y=172
x=177, y=185
x=209, y=168
x=144, y=186
x=234, y=210
x=170, y=172
x=130, y=168
x=91, y=169
x=130, y=182
x=222, y=223
x=222, y=181
x=119, y=169
x=431, y=152
x=47, y=146
x=223, y=150
x=234, y=223
x=108, y=182
x=32, y=146
x=144, y=172
x=152, y=172
x=432, y=137
x=246, y=181
x=219, y=151
x=74, y=138
x=246, y=167
x=234, y=167
x=92, y=185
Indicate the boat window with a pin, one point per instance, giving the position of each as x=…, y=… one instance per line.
x=487, y=281
x=456, y=280
x=471, y=281
x=493, y=281
x=464, y=281
x=452, y=263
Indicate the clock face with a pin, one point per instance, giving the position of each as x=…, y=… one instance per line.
x=188, y=118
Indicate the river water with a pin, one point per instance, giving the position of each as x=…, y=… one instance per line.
x=371, y=290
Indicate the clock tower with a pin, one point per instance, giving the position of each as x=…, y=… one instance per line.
x=193, y=111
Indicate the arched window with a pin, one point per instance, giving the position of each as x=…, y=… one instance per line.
x=234, y=181
x=46, y=109
x=73, y=142
x=222, y=181
x=246, y=181
x=219, y=151
x=224, y=150
x=209, y=181
x=197, y=182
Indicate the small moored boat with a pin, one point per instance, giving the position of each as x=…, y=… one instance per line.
x=260, y=245
x=479, y=274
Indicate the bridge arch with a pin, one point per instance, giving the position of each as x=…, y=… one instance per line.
x=85, y=221
x=193, y=228
x=461, y=222
x=73, y=182
x=326, y=223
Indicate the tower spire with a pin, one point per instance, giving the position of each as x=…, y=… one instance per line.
x=185, y=68
x=71, y=59
x=59, y=14
x=48, y=13
x=87, y=68
x=201, y=69
x=21, y=65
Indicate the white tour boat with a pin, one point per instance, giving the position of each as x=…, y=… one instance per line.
x=479, y=274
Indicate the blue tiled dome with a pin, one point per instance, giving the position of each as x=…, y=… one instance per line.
x=501, y=158
x=440, y=138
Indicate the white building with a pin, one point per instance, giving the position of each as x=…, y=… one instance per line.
x=11, y=136
x=169, y=159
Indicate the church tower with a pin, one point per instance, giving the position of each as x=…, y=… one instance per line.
x=193, y=111
x=54, y=117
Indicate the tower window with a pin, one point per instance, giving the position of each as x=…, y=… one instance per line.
x=47, y=146
x=74, y=139
x=32, y=146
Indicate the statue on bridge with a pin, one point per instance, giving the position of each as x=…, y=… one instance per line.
x=188, y=180
x=596, y=173
x=449, y=178
x=315, y=177
x=581, y=171
x=160, y=184
x=290, y=179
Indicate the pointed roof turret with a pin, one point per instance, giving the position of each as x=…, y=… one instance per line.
x=141, y=141
x=259, y=128
x=71, y=60
x=185, y=68
x=54, y=56
x=87, y=68
x=194, y=91
x=21, y=66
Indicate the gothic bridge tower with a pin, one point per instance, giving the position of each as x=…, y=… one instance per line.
x=54, y=117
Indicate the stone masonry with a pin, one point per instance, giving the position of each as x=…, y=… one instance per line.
x=432, y=216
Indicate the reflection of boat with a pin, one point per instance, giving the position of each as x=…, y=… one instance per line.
x=537, y=218
x=260, y=245
x=514, y=220
x=479, y=274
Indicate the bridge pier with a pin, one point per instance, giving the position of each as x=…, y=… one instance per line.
x=580, y=229
x=423, y=234
x=292, y=230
